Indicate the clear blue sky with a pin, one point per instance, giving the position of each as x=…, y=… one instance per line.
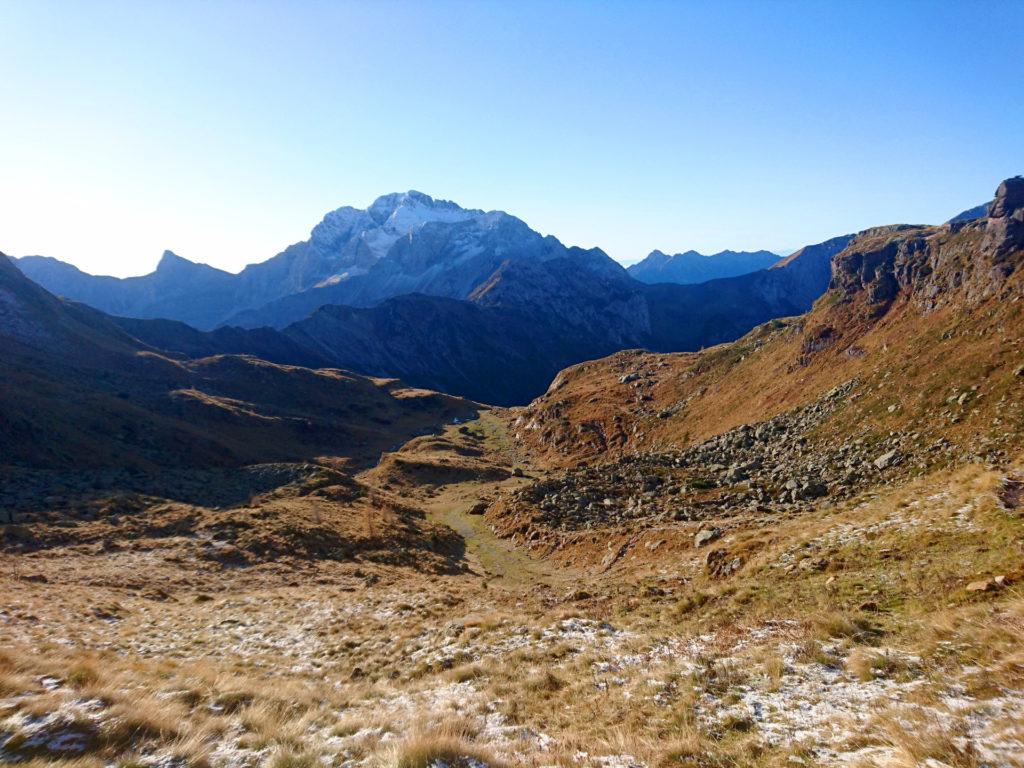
x=225, y=130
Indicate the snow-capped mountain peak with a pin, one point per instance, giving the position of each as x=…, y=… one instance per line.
x=375, y=229
x=398, y=214
x=402, y=212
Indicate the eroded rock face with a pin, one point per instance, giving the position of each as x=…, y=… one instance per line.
x=879, y=263
x=936, y=265
x=1004, y=230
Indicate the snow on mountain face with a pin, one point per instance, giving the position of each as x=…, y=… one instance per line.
x=403, y=212
x=337, y=227
x=361, y=238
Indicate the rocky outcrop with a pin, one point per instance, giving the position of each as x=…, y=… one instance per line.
x=1004, y=231
x=879, y=262
x=962, y=262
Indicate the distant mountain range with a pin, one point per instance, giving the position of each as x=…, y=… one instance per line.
x=970, y=214
x=461, y=300
x=403, y=243
x=693, y=267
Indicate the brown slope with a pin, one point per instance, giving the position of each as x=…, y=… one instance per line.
x=79, y=392
x=927, y=319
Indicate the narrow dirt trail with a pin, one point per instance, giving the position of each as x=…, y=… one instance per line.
x=449, y=473
x=502, y=563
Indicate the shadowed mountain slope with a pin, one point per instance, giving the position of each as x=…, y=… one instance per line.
x=80, y=391
x=688, y=317
x=180, y=340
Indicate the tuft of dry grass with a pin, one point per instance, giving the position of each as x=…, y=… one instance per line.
x=287, y=758
x=920, y=740
x=449, y=742
x=465, y=672
x=839, y=626
x=774, y=666
x=139, y=720
x=543, y=681
x=687, y=752
x=232, y=701
x=812, y=652
x=866, y=664
x=273, y=722
x=84, y=673
x=14, y=683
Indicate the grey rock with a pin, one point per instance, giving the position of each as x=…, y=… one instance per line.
x=887, y=459
x=706, y=536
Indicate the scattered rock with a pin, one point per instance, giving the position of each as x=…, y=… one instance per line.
x=720, y=564
x=887, y=459
x=706, y=536
x=986, y=585
x=613, y=555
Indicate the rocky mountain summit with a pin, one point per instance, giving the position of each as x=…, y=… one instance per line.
x=444, y=258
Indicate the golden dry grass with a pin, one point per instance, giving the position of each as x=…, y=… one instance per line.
x=396, y=667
